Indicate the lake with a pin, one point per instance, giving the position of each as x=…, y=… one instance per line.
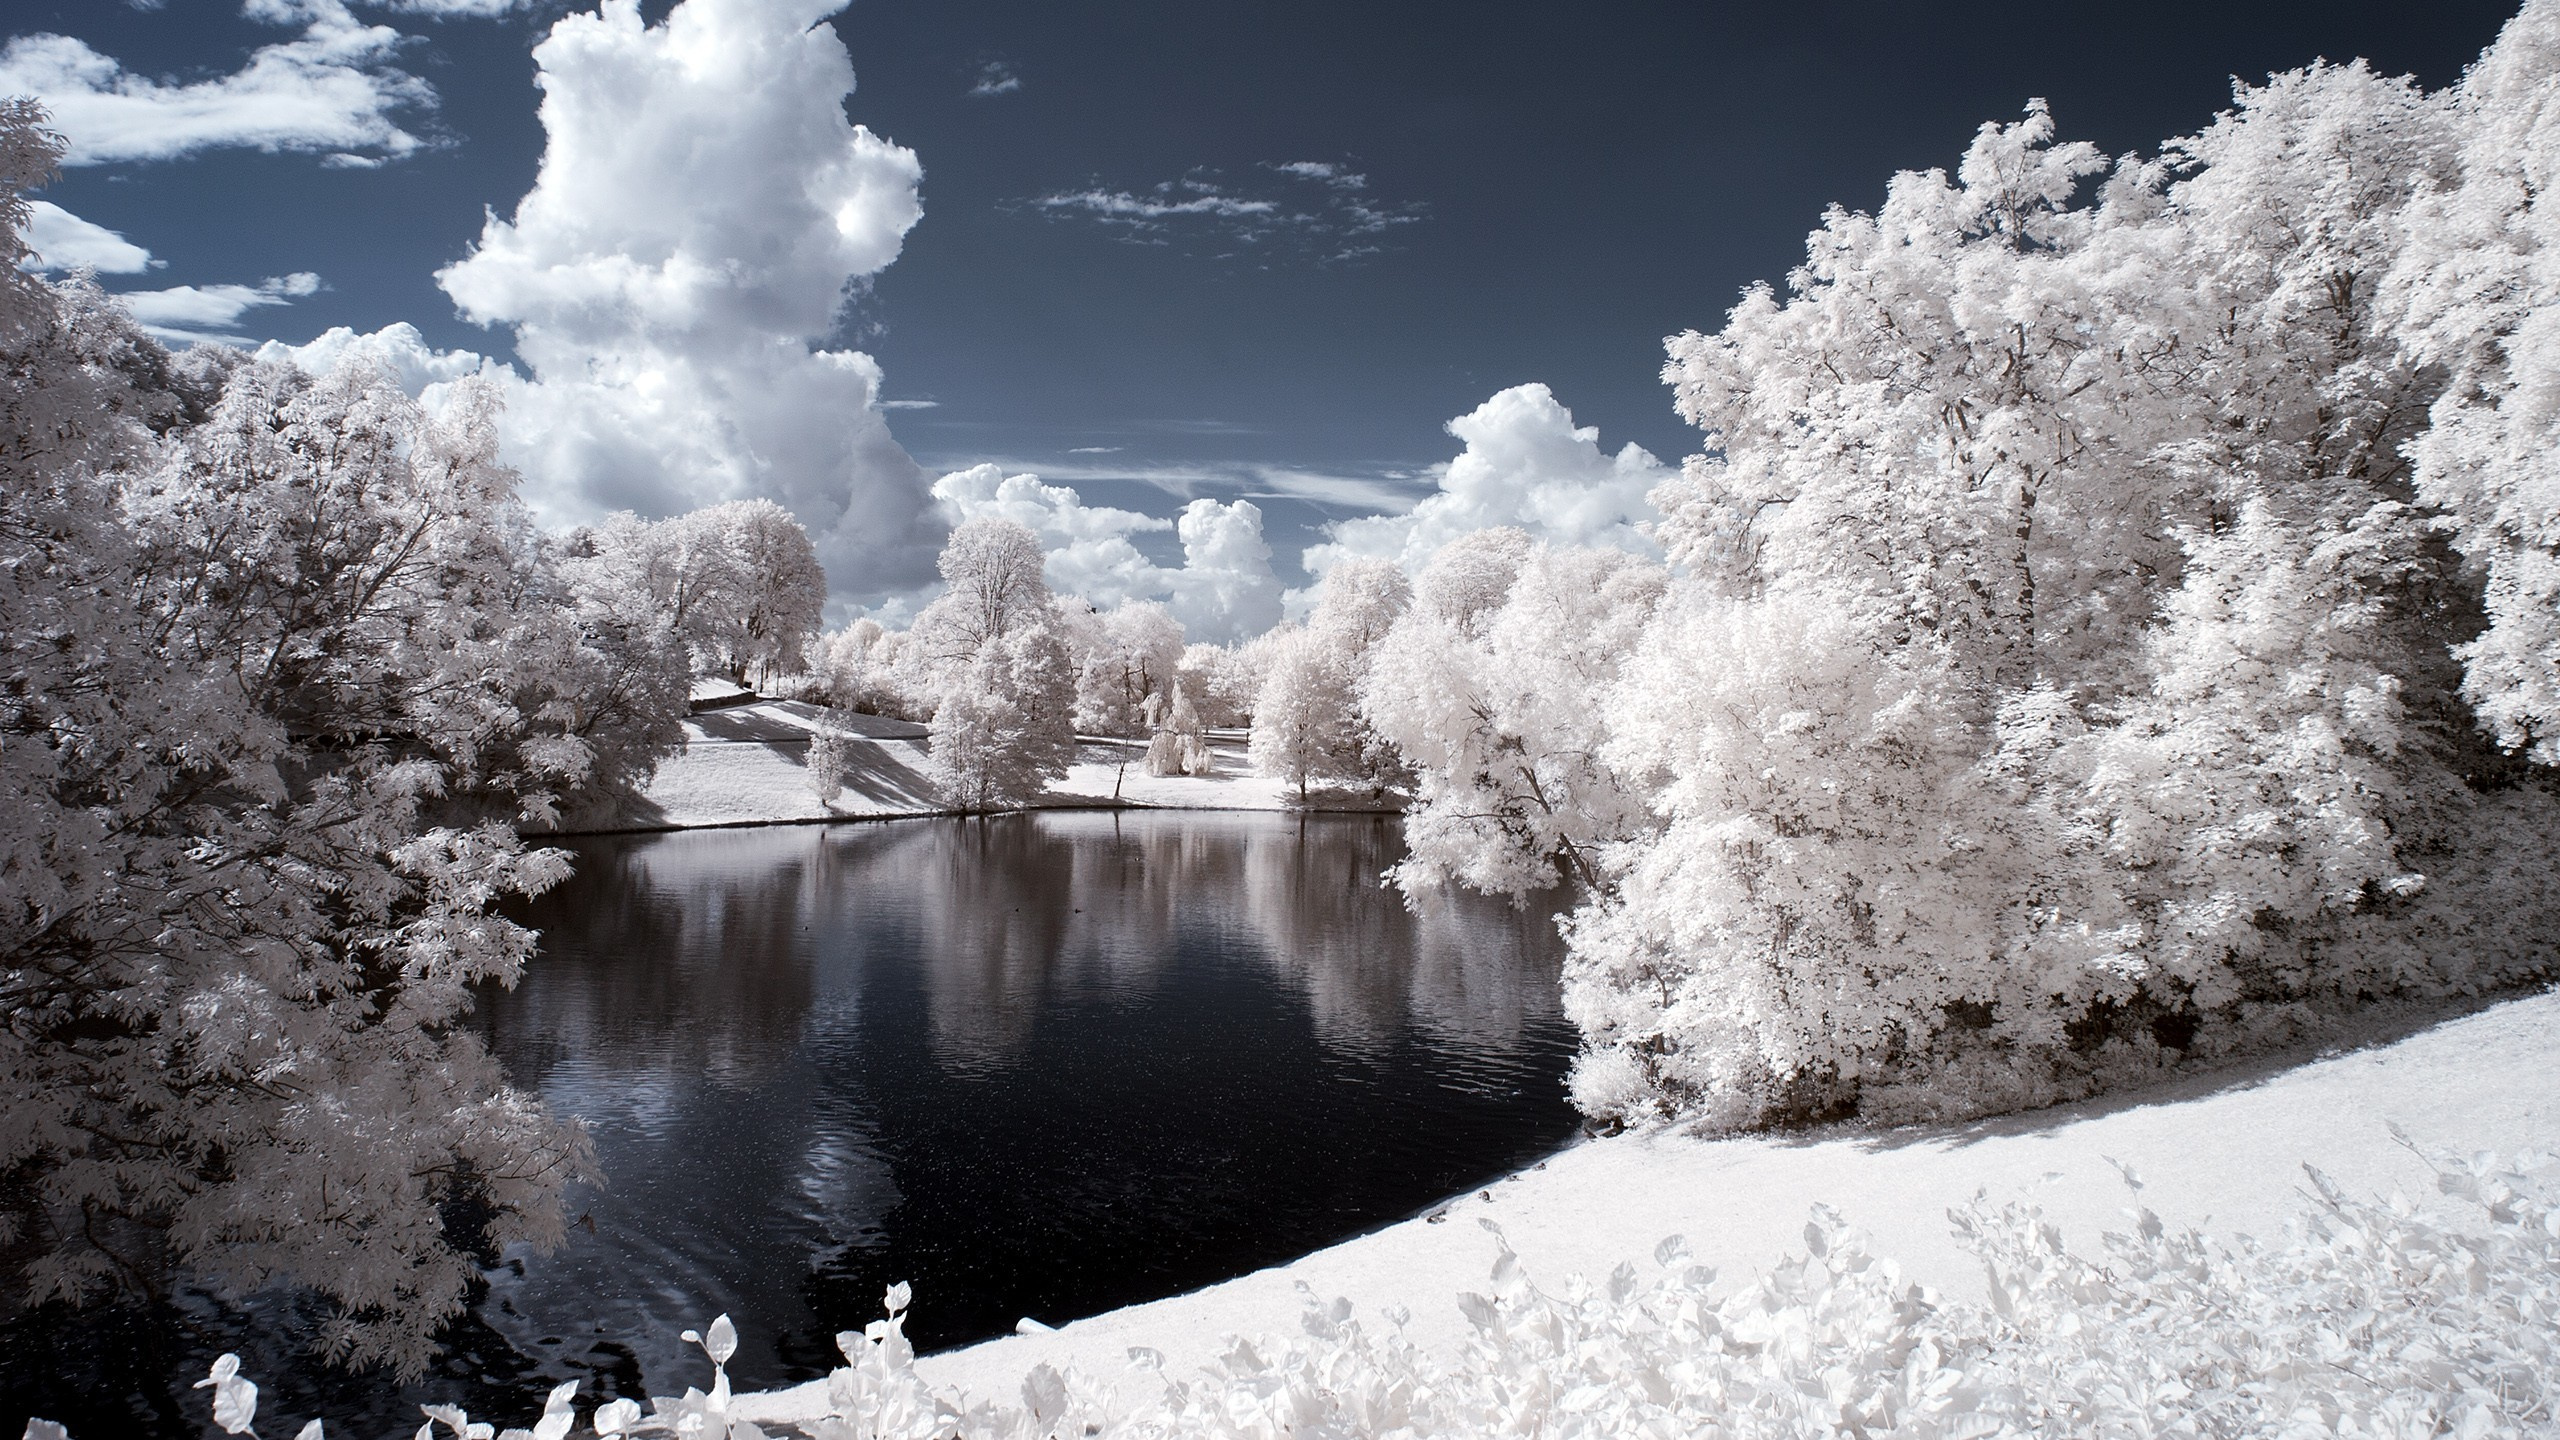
x=1039, y=1065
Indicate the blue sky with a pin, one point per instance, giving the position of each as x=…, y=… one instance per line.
x=1179, y=250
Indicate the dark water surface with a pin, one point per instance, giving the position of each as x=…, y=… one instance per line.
x=1038, y=1065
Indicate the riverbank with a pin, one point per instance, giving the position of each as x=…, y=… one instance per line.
x=2224, y=1152
x=747, y=764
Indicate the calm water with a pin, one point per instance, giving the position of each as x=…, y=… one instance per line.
x=1039, y=1066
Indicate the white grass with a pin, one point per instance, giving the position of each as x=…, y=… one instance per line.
x=747, y=765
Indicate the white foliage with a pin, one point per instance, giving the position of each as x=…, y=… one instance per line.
x=2057, y=680
x=2364, y=1319
x=1493, y=688
x=2479, y=290
x=1307, y=725
x=286, y=683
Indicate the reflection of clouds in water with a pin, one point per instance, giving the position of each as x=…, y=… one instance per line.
x=726, y=1008
x=846, y=1187
x=678, y=992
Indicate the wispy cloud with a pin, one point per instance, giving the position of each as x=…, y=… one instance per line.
x=909, y=404
x=331, y=90
x=186, y=314
x=1317, y=210
x=61, y=240
x=995, y=78
x=1390, y=492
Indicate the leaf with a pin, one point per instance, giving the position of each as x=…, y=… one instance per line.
x=896, y=1300
x=721, y=1342
x=1044, y=1393
x=235, y=1405
x=1669, y=1252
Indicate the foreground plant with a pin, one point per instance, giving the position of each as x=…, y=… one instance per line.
x=2367, y=1319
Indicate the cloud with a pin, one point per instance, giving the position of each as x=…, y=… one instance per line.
x=702, y=209
x=995, y=78
x=1223, y=590
x=188, y=314
x=1331, y=222
x=1335, y=175
x=1093, y=449
x=457, y=9
x=331, y=90
x=397, y=350
x=60, y=240
x=1524, y=464
x=910, y=404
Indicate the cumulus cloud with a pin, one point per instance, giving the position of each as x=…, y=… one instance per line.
x=1223, y=590
x=60, y=240
x=1525, y=464
x=1328, y=216
x=995, y=78
x=331, y=90
x=702, y=209
x=398, y=351
x=187, y=314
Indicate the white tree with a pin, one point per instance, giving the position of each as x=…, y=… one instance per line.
x=1492, y=688
x=1307, y=724
x=992, y=586
x=1221, y=681
x=1181, y=746
x=1128, y=669
x=1304, y=717
x=290, y=679
x=2058, y=678
x=1003, y=683
x=739, y=582
x=781, y=593
x=1001, y=732
x=2475, y=291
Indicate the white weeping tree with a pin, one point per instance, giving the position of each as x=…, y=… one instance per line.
x=286, y=670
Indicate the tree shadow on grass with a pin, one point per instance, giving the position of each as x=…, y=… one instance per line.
x=2332, y=1036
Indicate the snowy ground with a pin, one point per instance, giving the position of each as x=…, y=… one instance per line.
x=2226, y=1152
x=748, y=765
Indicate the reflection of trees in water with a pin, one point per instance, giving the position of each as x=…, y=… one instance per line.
x=1013, y=911
x=1483, y=972
x=1473, y=973
x=993, y=898
x=1329, y=928
x=690, y=955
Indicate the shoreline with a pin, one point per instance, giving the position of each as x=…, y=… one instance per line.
x=2224, y=1150
x=744, y=767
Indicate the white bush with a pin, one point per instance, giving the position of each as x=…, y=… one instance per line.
x=2367, y=1319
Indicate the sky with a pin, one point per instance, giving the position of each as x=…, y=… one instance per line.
x=1153, y=254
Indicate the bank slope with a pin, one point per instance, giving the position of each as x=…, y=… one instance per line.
x=2225, y=1153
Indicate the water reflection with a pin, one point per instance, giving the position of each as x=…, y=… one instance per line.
x=1040, y=1065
